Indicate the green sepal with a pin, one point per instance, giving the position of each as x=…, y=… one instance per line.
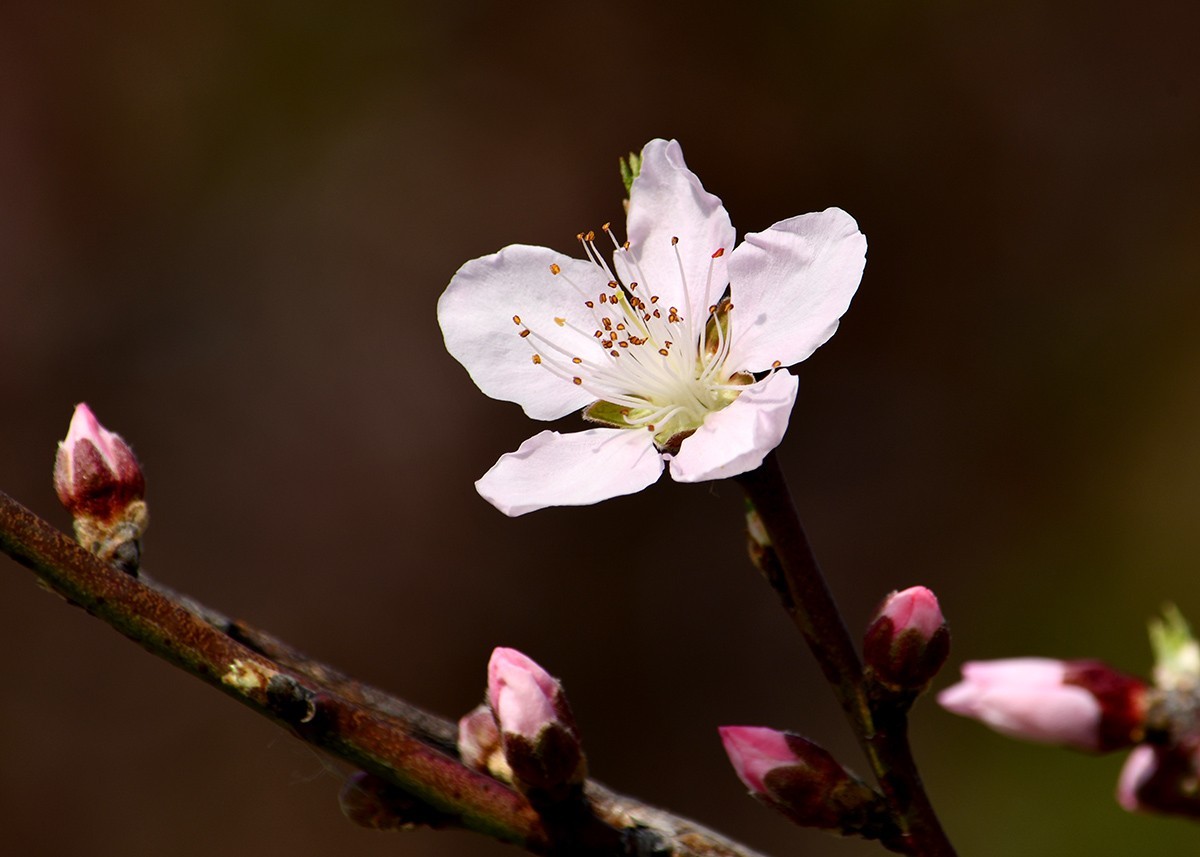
x=630, y=168
x=1176, y=652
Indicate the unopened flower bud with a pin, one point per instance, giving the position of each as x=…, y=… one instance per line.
x=479, y=744
x=99, y=481
x=802, y=780
x=536, y=727
x=1086, y=705
x=1162, y=779
x=907, y=642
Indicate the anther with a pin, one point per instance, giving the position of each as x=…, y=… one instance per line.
x=577, y=381
x=599, y=334
x=590, y=237
x=664, y=352
x=516, y=319
x=625, y=245
x=589, y=304
x=650, y=427
x=524, y=333
x=605, y=227
x=674, y=240
x=559, y=321
x=554, y=269
x=720, y=252
x=603, y=298
x=537, y=359
x=576, y=360
x=654, y=299
x=776, y=365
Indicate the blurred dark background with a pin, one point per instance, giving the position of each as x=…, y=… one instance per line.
x=226, y=225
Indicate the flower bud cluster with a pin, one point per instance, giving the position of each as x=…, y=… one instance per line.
x=1087, y=705
x=525, y=733
x=99, y=481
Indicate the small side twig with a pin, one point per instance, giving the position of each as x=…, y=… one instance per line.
x=792, y=570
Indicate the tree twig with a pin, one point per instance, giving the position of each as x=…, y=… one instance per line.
x=370, y=729
x=797, y=578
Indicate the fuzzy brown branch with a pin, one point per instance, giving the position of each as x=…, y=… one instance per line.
x=372, y=730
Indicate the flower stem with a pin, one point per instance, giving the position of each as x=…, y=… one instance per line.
x=788, y=562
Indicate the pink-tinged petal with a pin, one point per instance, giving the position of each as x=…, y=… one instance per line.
x=754, y=751
x=737, y=439
x=477, y=311
x=914, y=609
x=521, y=693
x=1070, y=715
x=1028, y=672
x=790, y=285
x=505, y=662
x=1139, y=768
x=1025, y=698
x=578, y=469
x=667, y=201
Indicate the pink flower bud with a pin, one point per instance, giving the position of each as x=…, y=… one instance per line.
x=95, y=472
x=803, y=781
x=522, y=694
x=536, y=727
x=907, y=642
x=479, y=744
x=1082, y=704
x=1162, y=779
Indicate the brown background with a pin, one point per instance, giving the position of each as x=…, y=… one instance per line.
x=225, y=226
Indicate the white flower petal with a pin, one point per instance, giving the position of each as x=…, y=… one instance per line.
x=790, y=285
x=667, y=201
x=476, y=314
x=552, y=469
x=737, y=439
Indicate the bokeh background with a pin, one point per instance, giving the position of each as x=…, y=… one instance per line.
x=226, y=225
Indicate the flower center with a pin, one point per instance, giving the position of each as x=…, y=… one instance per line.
x=649, y=366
